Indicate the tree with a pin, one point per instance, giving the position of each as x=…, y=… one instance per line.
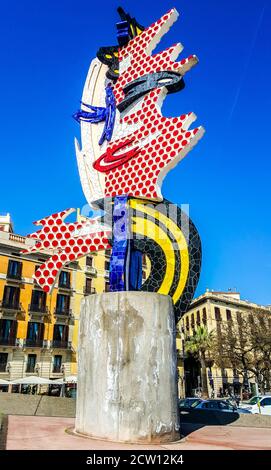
x=245, y=346
x=198, y=345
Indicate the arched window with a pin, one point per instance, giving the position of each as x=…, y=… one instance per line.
x=204, y=316
x=228, y=315
x=192, y=321
x=198, y=318
x=217, y=314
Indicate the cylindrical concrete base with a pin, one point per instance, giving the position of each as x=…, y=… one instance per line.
x=127, y=384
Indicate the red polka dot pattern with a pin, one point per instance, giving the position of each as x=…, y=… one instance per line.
x=159, y=142
x=139, y=176
x=142, y=63
x=59, y=237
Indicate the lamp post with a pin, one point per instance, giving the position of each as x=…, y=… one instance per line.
x=8, y=370
x=63, y=370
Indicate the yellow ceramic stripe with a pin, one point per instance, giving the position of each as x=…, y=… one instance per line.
x=149, y=229
x=139, y=31
x=181, y=242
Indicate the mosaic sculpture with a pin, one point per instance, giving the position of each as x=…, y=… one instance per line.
x=127, y=148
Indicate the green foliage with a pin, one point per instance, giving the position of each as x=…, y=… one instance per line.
x=200, y=342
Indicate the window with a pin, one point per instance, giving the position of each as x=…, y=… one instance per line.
x=62, y=304
x=35, y=334
x=3, y=361
x=225, y=406
x=57, y=363
x=228, y=315
x=64, y=279
x=239, y=318
x=198, y=318
x=88, y=287
x=14, y=269
x=8, y=330
x=192, y=321
x=107, y=265
x=266, y=402
x=204, y=316
x=187, y=323
x=211, y=405
x=61, y=335
x=89, y=261
x=38, y=301
x=11, y=297
x=31, y=362
x=217, y=314
x=107, y=287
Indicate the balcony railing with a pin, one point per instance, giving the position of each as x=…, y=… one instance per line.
x=7, y=305
x=89, y=290
x=91, y=270
x=33, y=343
x=64, y=285
x=43, y=309
x=61, y=344
x=65, y=312
x=14, y=276
x=10, y=341
x=17, y=238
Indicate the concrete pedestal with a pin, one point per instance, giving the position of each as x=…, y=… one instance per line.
x=127, y=384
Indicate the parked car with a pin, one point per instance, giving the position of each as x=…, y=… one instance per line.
x=220, y=405
x=189, y=402
x=258, y=404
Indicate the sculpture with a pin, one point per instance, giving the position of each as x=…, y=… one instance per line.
x=127, y=148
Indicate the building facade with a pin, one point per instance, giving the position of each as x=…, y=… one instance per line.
x=38, y=331
x=211, y=310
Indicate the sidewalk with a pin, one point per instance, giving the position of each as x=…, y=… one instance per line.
x=44, y=433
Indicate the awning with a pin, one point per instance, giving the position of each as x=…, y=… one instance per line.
x=71, y=379
x=32, y=380
x=4, y=382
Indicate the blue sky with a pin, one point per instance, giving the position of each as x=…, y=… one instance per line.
x=46, y=48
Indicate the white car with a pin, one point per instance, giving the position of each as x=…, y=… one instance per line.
x=260, y=404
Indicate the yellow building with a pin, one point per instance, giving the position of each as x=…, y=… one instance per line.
x=38, y=331
x=210, y=309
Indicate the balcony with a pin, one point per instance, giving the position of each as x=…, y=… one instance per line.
x=14, y=276
x=106, y=273
x=61, y=344
x=3, y=367
x=108, y=253
x=91, y=270
x=43, y=309
x=10, y=341
x=38, y=311
x=11, y=309
x=89, y=290
x=7, y=305
x=33, y=343
x=64, y=315
x=65, y=312
x=65, y=286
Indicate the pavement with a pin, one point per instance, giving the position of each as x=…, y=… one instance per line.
x=48, y=433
